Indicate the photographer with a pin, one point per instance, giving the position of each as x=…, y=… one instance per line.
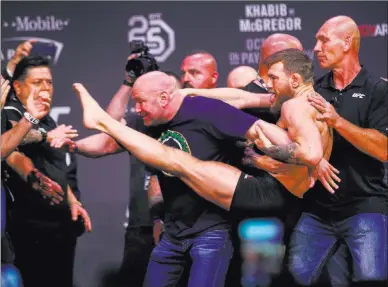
x=139, y=62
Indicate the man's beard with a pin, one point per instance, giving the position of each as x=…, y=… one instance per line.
x=187, y=85
x=275, y=110
x=279, y=101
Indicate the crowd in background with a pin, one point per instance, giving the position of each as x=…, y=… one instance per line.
x=334, y=234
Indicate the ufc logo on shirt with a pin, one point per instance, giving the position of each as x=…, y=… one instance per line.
x=358, y=95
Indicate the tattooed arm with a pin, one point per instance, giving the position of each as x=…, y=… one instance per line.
x=60, y=132
x=33, y=136
x=306, y=145
x=13, y=137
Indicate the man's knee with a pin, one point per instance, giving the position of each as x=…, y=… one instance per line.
x=306, y=259
x=211, y=254
x=368, y=270
x=213, y=245
x=369, y=245
x=299, y=265
x=301, y=271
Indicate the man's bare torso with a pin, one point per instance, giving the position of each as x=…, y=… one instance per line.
x=296, y=179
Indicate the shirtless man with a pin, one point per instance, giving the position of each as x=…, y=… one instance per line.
x=256, y=99
x=306, y=141
x=281, y=83
x=255, y=94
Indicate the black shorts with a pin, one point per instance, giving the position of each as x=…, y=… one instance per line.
x=262, y=195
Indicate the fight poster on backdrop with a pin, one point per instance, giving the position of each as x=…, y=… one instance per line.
x=88, y=43
x=256, y=21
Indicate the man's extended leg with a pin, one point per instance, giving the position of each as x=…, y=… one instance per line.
x=214, y=181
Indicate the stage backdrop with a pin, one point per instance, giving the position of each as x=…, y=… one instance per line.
x=88, y=42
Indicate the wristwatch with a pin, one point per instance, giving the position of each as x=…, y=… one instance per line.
x=43, y=132
x=32, y=177
x=127, y=83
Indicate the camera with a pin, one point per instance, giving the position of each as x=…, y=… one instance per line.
x=143, y=64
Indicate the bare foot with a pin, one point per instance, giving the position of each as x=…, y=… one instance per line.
x=93, y=114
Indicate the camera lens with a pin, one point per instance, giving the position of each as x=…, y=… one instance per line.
x=134, y=67
x=139, y=66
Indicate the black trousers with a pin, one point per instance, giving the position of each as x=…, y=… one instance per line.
x=139, y=243
x=44, y=256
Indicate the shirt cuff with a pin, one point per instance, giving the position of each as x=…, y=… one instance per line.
x=10, y=74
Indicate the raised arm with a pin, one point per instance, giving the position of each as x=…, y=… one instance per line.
x=22, y=50
x=119, y=103
x=37, y=108
x=235, y=97
x=5, y=87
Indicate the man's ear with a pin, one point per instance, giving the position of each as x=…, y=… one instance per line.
x=214, y=77
x=296, y=80
x=17, y=87
x=348, y=43
x=164, y=98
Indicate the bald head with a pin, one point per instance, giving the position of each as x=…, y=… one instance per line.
x=155, y=81
x=273, y=44
x=199, y=70
x=338, y=43
x=156, y=98
x=278, y=42
x=241, y=76
x=204, y=58
x=344, y=27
